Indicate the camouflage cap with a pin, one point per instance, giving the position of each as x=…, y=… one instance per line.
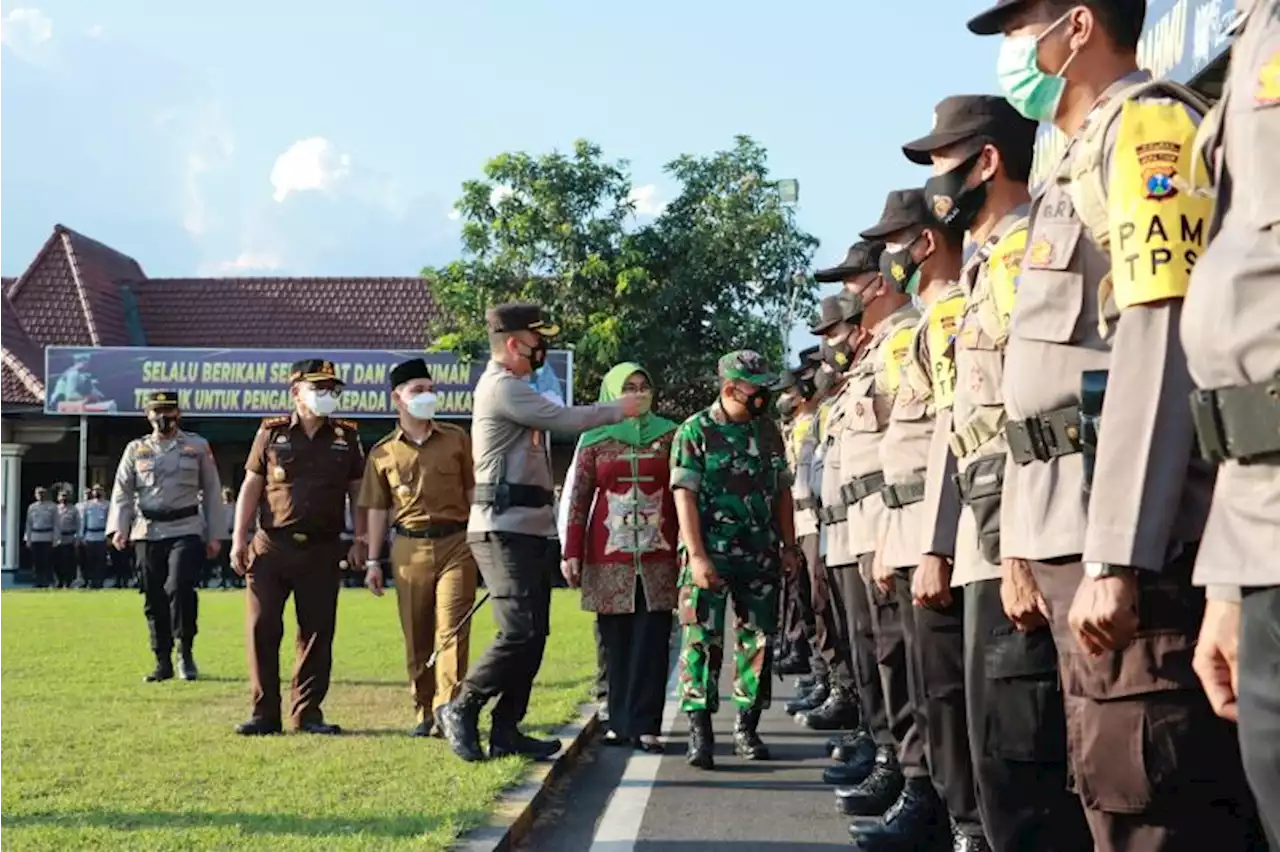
x=746, y=366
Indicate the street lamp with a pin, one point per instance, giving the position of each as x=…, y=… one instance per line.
x=789, y=196
x=788, y=192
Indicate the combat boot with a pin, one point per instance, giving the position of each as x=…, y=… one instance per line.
x=163, y=669
x=702, y=740
x=746, y=741
x=187, y=666
x=877, y=792
x=459, y=720
x=806, y=683
x=794, y=663
x=838, y=713
x=811, y=700
x=505, y=739
x=964, y=842
x=917, y=822
x=850, y=773
x=857, y=748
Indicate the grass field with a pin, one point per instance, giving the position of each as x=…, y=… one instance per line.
x=94, y=758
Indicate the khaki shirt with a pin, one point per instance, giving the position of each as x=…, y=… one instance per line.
x=41, y=518
x=93, y=520
x=802, y=441
x=307, y=479
x=1231, y=325
x=420, y=484
x=1146, y=436
x=165, y=474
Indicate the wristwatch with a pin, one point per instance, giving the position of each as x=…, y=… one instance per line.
x=371, y=563
x=1099, y=570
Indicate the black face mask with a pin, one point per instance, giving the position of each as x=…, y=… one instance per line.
x=166, y=423
x=787, y=407
x=955, y=205
x=537, y=355
x=824, y=381
x=757, y=402
x=899, y=266
x=807, y=387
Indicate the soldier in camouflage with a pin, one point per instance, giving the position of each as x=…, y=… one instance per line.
x=732, y=492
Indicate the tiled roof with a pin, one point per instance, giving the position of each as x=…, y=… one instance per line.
x=99, y=270
x=23, y=360
x=48, y=298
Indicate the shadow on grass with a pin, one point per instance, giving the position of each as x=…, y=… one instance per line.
x=247, y=822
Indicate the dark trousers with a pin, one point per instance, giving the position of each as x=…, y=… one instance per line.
x=93, y=563
x=64, y=564
x=851, y=601
x=1017, y=731
x=936, y=637
x=1259, y=702
x=602, y=664
x=822, y=640
x=167, y=571
x=42, y=562
x=517, y=570
x=639, y=650
x=797, y=610
x=278, y=567
x=1155, y=769
x=897, y=643
x=122, y=562
x=226, y=574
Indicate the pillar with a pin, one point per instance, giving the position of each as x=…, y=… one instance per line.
x=11, y=520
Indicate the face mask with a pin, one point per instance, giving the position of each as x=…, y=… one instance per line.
x=1029, y=90
x=901, y=268
x=955, y=205
x=537, y=355
x=422, y=405
x=807, y=387
x=824, y=381
x=757, y=401
x=164, y=422
x=839, y=355
x=322, y=404
x=787, y=407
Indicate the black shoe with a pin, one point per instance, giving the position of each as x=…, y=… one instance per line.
x=838, y=713
x=746, y=742
x=187, y=666
x=422, y=729
x=702, y=740
x=611, y=738
x=858, y=746
x=320, y=727
x=811, y=700
x=877, y=792
x=459, y=720
x=792, y=664
x=162, y=671
x=962, y=841
x=505, y=740
x=806, y=683
x=258, y=728
x=652, y=747
x=917, y=821
x=850, y=773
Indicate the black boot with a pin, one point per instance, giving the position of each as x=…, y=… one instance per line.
x=962, y=841
x=838, y=713
x=805, y=684
x=187, y=667
x=702, y=740
x=505, y=739
x=794, y=663
x=809, y=701
x=877, y=791
x=917, y=822
x=163, y=669
x=856, y=747
x=850, y=773
x=460, y=722
x=746, y=742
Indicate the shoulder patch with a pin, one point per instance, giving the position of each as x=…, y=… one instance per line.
x=1004, y=268
x=344, y=423
x=274, y=422
x=1267, y=92
x=894, y=354
x=944, y=319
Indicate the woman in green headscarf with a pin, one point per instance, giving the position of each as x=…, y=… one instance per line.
x=620, y=545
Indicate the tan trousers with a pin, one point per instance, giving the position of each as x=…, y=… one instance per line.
x=435, y=587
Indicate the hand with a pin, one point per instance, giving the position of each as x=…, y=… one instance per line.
x=357, y=553
x=1216, y=660
x=373, y=578
x=1023, y=603
x=212, y=548
x=880, y=575
x=931, y=583
x=240, y=558
x=704, y=573
x=634, y=404
x=1104, y=614
x=119, y=541
x=572, y=571
x=791, y=560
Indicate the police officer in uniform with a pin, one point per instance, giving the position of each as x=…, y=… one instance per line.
x=38, y=535
x=1094, y=347
x=161, y=477
x=981, y=151
x=301, y=470
x=93, y=537
x=66, y=537
x=512, y=528
x=1233, y=349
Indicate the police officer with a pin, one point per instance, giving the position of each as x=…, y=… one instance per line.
x=93, y=537
x=512, y=528
x=301, y=470
x=420, y=479
x=981, y=152
x=1231, y=336
x=1093, y=344
x=38, y=534
x=160, y=478
x=66, y=524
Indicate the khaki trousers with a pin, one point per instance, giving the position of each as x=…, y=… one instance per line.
x=435, y=587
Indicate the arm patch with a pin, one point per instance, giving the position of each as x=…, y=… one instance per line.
x=1003, y=269
x=944, y=318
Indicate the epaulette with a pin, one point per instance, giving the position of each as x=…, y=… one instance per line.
x=385, y=438
x=344, y=423
x=274, y=422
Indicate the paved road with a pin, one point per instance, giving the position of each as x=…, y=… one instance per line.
x=620, y=801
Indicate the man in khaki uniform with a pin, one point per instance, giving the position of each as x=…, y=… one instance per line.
x=981, y=151
x=1093, y=345
x=421, y=479
x=1233, y=349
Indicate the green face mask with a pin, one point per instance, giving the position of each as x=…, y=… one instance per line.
x=1032, y=92
x=913, y=284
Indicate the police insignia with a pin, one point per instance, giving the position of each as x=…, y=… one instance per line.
x=1040, y=253
x=402, y=491
x=942, y=206
x=281, y=439
x=1159, y=163
x=278, y=474
x=337, y=430
x=897, y=272
x=1268, y=93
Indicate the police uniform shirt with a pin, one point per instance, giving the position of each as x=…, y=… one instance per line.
x=834, y=544
x=93, y=520
x=67, y=524
x=1231, y=323
x=1054, y=337
x=164, y=475
x=307, y=479
x=802, y=441
x=421, y=484
x=41, y=518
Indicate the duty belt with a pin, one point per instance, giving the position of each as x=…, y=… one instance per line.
x=301, y=538
x=833, y=514
x=977, y=432
x=444, y=529
x=1239, y=422
x=41, y=529
x=95, y=529
x=806, y=503
x=899, y=494
x=513, y=494
x=1045, y=437
x=164, y=515
x=861, y=488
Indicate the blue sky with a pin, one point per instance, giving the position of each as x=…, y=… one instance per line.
x=324, y=138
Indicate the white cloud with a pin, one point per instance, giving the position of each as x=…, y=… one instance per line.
x=498, y=194
x=646, y=200
x=454, y=214
x=210, y=145
x=244, y=263
x=308, y=165
x=27, y=32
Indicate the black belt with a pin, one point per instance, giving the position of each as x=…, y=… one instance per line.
x=440, y=530
x=41, y=529
x=899, y=494
x=513, y=494
x=1240, y=422
x=160, y=516
x=301, y=538
x=861, y=488
x=95, y=529
x=833, y=514
x=1045, y=437
x=806, y=503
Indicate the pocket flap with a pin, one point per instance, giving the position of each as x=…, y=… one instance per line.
x=1153, y=662
x=859, y=386
x=1013, y=654
x=1053, y=245
x=910, y=409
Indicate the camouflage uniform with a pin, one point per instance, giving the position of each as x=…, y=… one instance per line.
x=738, y=471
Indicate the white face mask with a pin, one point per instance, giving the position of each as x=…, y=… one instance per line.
x=422, y=405
x=323, y=404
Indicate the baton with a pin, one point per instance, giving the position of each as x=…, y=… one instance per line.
x=453, y=634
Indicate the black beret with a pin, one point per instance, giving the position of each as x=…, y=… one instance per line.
x=414, y=368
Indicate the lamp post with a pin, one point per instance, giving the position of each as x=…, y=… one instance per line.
x=789, y=196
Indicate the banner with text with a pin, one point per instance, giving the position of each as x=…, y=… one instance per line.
x=251, y=382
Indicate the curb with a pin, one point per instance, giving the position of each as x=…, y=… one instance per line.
x=518, y=807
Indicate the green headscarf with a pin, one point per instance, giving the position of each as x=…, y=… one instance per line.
x=636, y=431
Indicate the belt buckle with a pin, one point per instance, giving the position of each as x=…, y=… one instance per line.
x=299, y=538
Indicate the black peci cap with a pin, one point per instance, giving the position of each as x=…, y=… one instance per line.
x=414, y=368
x=157, y=400
x=519, y=316
x=1131, y=13
x=862, y=256
x=313, y=370
x=963, y=117
x=903, y=208
x=844, y=307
